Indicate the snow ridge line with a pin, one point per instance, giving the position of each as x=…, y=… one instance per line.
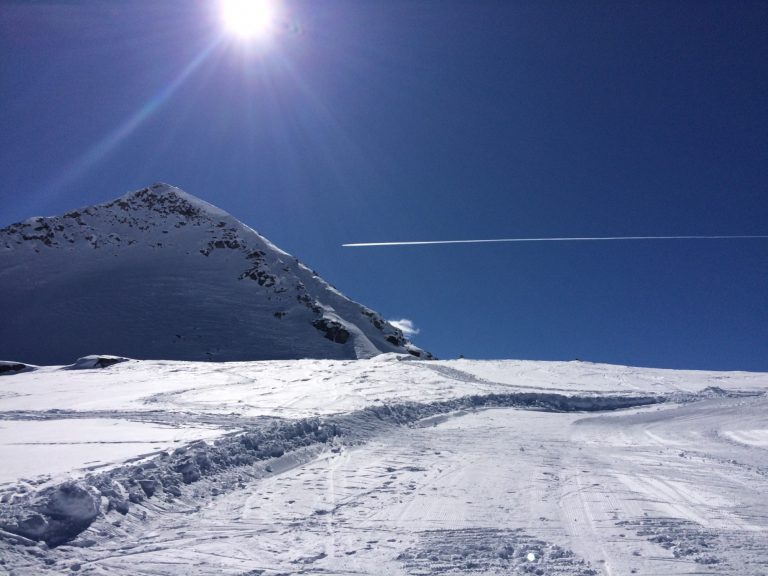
x=59, y=514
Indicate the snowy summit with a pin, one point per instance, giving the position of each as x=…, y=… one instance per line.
x=159, y=273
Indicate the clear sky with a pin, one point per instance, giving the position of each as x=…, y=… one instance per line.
x=367, y=120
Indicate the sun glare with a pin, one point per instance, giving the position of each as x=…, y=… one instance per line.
x=248, y=19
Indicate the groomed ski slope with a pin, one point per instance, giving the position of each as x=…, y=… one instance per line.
x=393, y=466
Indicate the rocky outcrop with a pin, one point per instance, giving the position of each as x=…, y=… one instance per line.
x=7, y=367
x=333, y=330
x=97, y=361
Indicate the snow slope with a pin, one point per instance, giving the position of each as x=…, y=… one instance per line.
x=159, y=273
x=389, y=465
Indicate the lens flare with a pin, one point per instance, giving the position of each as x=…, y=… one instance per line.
x=248, y=19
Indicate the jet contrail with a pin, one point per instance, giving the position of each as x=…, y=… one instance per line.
x=577, y=239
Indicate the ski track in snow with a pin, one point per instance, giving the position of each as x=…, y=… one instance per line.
x=426, y=484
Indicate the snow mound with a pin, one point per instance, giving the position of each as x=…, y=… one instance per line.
x=718, y=392
x=96, y=361
x=10, y=367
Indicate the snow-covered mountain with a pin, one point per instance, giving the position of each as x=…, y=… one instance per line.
x=159, y=273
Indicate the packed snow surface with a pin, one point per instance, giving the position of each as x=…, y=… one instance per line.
x=31, y=448
x=390, y=465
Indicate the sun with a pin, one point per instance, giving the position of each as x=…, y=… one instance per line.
x=248, y=19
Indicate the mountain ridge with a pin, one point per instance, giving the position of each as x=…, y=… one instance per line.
x=171, y=276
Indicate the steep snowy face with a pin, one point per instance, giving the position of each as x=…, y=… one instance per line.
x=159, y=273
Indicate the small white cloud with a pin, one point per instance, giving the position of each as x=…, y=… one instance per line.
x=406, y=326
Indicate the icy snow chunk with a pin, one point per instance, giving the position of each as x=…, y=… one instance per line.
x=72, y=502
x=66, y=512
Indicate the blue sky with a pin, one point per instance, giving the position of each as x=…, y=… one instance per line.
x=379, y=121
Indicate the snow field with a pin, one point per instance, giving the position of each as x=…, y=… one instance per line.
x=389, y=467
x=58, y=448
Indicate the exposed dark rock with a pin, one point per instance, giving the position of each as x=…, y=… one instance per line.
x=334, y=331
x=97, y=361
x=396, y=339
x=375, y=319
x=262, y=277
x=11, y=367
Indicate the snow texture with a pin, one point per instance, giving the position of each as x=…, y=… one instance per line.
x=385, y=466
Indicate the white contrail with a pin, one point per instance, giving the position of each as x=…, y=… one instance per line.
x=577, y=239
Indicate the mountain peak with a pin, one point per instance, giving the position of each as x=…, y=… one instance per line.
x=160, y=273
x=166, y=199
x=162, y=187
